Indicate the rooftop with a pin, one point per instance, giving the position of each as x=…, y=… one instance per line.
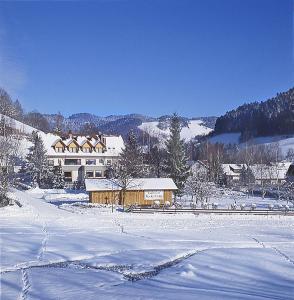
x=134, y=184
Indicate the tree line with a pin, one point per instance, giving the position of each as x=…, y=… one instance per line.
x=272, y=117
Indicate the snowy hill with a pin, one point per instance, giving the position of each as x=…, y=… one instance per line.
x=192, y=129
x=285, y=142
x=21, y=127
x=257, y=119
x=122, y=124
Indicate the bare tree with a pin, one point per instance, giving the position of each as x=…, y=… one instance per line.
x=9, y=148
x=198, y=185
x=120, y=179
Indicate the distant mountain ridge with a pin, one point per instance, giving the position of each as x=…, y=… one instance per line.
x=119, y=124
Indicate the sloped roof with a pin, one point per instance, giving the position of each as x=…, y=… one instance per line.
x=114, y=145
x=72, y=141
x=273, y=171
x=230, y=169
x=135, y=184
x=58, y=141
x=82, y=143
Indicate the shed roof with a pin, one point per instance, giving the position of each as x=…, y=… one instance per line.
x=134, y=184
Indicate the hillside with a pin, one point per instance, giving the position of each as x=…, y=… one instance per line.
x=272, y=117
x=141, y=124
x=190, y=129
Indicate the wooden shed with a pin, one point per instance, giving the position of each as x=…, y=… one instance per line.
x=139, y=191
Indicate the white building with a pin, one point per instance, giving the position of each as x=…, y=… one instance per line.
x=83, y=157
x=232, y=171
x=274, y=173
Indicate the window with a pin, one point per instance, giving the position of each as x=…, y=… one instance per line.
x=50, y=162
x=59, y=149
x=89, y=174
x=72, y=162
x=73, y=149
x=98, y=174
x=101, y=161
x=87, y=150
x=90, y=161
x=108, y=162
x=99, y=150
x=67, y=176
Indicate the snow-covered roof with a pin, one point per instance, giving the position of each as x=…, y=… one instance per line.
x=134, y=184
x=232, y=169
x=114, y=145
x=274, y=171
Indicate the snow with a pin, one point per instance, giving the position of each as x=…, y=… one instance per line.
x=67, y=251
x=23, y=128
x=226, y=138
x=195, y=128
x=114, y=145
x=134, y=184
x=285, y=142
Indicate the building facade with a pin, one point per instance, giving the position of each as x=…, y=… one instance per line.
x=139, y=191
x=83, y=157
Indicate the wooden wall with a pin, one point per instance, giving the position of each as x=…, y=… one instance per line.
x=130, y=197
x=106, y=197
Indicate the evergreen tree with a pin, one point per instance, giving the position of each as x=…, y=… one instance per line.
x=176, y=166
x=131, y=158
x=156, y=158
x=58, y=179
x=37, y=165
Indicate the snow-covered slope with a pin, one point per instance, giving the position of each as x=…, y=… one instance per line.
x=285, y=142
x=21, y=127
x=226, y=138
x=194, y=128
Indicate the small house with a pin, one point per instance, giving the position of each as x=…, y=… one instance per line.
x=232, y=172
x=274, y=173
x=138, y=191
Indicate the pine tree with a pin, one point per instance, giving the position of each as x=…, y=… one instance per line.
x=176, y=166
x=131, y=158
x=58, y=179
x=37, y=165
x=156, y=157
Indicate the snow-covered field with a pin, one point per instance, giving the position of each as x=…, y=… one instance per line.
x=53, y=249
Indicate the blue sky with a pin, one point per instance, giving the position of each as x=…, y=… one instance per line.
x=155, y=57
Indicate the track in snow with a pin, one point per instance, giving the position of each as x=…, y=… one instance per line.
x=279, y=252
x=25, y=284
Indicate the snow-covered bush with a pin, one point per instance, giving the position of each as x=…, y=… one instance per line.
x=204, y=205
x=279, y=206
x=166, y=204
x=214, y=205
x=193, y=205
x=156, y=204
x=234, y=206
x=286, y=207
